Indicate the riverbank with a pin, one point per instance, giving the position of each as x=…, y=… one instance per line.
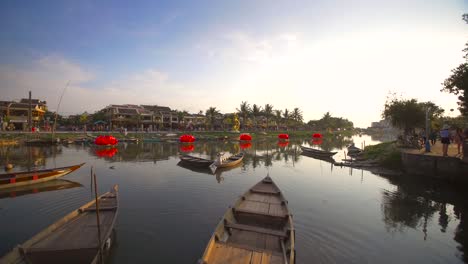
x=202, y=135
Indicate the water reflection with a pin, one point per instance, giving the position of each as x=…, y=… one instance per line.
x=417, y=202
x=28, y=158
x=347, y=219
x=54, y=185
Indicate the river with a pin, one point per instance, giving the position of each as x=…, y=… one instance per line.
x=168, y=212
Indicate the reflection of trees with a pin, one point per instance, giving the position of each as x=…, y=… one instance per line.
x=401, y=210
x=331, y=142
x=28, y=157
x=417, y=201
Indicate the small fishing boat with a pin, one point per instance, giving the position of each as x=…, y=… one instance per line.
x=257, y=229
x=42, y=141
x=228, y=162
x=318, y=152
x=353, y=150
x=319, y=157
x=74, y=238
x=196, y=161
x=15, y=179
x=47, y=186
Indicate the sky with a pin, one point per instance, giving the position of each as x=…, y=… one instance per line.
x=338, y=56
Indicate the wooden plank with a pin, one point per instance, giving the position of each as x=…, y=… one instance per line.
x=254, y=207
x=277, y=209
x=272, y=243
x=256, y=258
x=257, y=229
x=226, y=254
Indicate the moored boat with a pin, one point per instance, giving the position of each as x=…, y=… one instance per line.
x=228, y=162
x=318, y=152
x=74, y=238
x=15, y=179
x=196, y=161
x=257, y=229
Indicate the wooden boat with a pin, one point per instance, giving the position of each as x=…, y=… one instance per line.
x=74, y=238
x=196, y=161
x=257, y=229
x=318, y=152
x=319, y=157
x=42, y=141
x=47, y=186
x=228, y=162
x=15, y=179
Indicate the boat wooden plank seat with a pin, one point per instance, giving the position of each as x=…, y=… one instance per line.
x=256, y=229
x=255, y=241
x=256, y=197
x=109, y=208
x=228, y=254
x=274, y=210
x=78, y=233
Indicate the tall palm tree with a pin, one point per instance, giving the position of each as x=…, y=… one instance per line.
x=211, y=115
x=268, y=110
x=286, y=116
x=297, y=115
x=278, y=117
x=244, y=111
x=256, y=111
x=180, y=116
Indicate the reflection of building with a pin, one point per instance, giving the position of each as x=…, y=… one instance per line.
x=15, y=114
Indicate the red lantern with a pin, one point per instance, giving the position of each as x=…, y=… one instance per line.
x=317, y=141
x=187, y=148
x=283, y=136
x=108, y=152
x=187, y=138
x=245, y=145
x=283, y=144
x=105, y=140
x=317, y=135
x=245, y=137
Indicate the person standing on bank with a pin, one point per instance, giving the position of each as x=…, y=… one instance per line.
x=445, y=139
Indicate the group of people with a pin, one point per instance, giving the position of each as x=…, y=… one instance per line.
x=448, y=136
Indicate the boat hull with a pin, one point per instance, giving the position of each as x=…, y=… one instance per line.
x=13, y=180
x=251, y=233
x=72, y=239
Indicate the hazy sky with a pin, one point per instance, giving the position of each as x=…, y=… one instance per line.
x=324, y=55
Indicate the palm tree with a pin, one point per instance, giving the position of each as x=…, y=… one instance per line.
x=278, y=117
x=286, y=117
x=268, y=110
x=211, y=115
x=244, y=111
x=297, y=115
x=180, y=116
x=256, y=111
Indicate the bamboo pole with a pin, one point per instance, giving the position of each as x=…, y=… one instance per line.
x=93, y=175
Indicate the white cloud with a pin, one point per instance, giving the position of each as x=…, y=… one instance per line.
x=48, y=76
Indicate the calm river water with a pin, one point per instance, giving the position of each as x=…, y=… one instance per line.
x=168, y=212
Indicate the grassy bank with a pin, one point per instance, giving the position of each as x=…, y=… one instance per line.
x=387, y=154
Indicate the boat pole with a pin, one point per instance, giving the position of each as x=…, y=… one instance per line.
x=93, y=175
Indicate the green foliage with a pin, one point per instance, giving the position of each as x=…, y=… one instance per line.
x=387, y=154
x=211, y=116
x=405, y=114
x=330, y=122
x=457, y=83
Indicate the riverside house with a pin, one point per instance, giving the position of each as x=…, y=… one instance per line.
x=14, y=115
